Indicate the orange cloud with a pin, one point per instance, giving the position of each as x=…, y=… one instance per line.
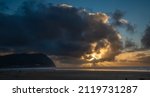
x=136, y=56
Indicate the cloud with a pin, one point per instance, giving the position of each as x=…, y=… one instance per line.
x=145, y=59
x=59, y=30
x=129, y=44
x=141, y=56
x=118, y=20
x=3, y=6
x=146, y=38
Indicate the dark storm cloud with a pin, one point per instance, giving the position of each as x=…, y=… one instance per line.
x=60, y=30
x=146, y=38
x=118, y=20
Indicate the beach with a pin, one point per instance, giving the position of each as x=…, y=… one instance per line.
x=76, y=74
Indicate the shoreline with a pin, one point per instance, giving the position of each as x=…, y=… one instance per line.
x=73, y=75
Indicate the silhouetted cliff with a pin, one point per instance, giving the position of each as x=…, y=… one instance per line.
x=25, y=60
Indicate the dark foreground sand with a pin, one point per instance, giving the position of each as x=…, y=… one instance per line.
x=74, y=75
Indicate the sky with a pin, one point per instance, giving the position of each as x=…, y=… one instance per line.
x=76, y=33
